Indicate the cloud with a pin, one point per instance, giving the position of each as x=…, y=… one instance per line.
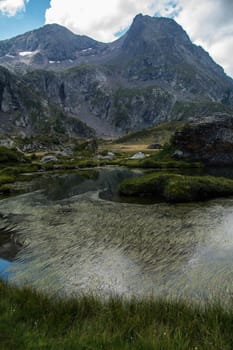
x=209, y=23
x=100, y=19
x=11, y=7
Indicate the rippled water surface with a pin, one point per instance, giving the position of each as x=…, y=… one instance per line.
x=74, y=241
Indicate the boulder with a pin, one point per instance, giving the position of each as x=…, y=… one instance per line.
x=49, y=159
x=138, y=155
x=109, y=155
x=208, y=139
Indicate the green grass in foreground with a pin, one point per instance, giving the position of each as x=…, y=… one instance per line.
x=177, y=188
x=30, y=320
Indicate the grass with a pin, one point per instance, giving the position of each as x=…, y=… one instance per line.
x=30, y=320
x=156, y=134
x=155, y=159
x=10, y=155
x=127, y=148
x=177, y=188
x=11, y=173
x=153, y=163
x=6, y=182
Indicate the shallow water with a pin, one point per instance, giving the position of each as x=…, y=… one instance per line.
x=75, y=242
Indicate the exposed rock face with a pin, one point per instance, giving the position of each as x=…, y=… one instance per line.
x=89, y=93
x=208, y=139
x=52, y=43
x=152, y=74
x=24, y=111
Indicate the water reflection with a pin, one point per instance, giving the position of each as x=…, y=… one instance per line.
x=79, y=243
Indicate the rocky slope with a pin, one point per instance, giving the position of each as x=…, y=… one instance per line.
x=49, y=44
x=152, y=74
x=208, y=139
x=25, y=112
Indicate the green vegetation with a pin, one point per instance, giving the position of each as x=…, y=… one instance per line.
x=184, y=110
x=156, y=134
x=12, y=164
x=86, y=149
x=30, y=320
x=80, y=70
x=158, y=160
x=10, y=174
x=177, y=188
x=152, y=163
x=6, y=183
x=10, y=155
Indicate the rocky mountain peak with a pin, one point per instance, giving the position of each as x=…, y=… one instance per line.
x=156, y=29
x=154, y=73
x=51, y=42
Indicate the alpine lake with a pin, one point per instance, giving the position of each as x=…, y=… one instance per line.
x=71, y=234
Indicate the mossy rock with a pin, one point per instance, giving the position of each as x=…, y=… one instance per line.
x=177, y=188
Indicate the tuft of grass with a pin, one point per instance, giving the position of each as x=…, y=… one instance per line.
x=31, y=320
x=177, y=188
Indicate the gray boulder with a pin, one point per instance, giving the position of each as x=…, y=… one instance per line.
x=138, y=155
x=49, y=159
x=209, y=140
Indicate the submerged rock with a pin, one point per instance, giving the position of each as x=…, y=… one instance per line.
x=209, y=140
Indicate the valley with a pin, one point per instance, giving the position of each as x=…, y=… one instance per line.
x=116, y=191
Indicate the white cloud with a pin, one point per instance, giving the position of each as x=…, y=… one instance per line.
x=209, y=23
x=100, y=19
x=11, y=7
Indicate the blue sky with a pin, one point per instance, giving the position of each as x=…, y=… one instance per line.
x=33, y=17
x=209, y=23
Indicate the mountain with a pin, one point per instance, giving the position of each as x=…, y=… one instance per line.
x=51, y=43
x=24, y=112
x=152, y=74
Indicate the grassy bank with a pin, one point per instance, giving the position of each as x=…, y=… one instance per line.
x=29, y=320
x=177, y=188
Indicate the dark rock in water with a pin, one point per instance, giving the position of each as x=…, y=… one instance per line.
x=208, y=139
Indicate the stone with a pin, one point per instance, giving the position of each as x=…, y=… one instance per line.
x=49, y=159
x=138, y=155
x=178, y=154
x=207, y=139
x=109, y=155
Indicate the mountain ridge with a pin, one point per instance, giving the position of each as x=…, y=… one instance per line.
x=152, y=74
